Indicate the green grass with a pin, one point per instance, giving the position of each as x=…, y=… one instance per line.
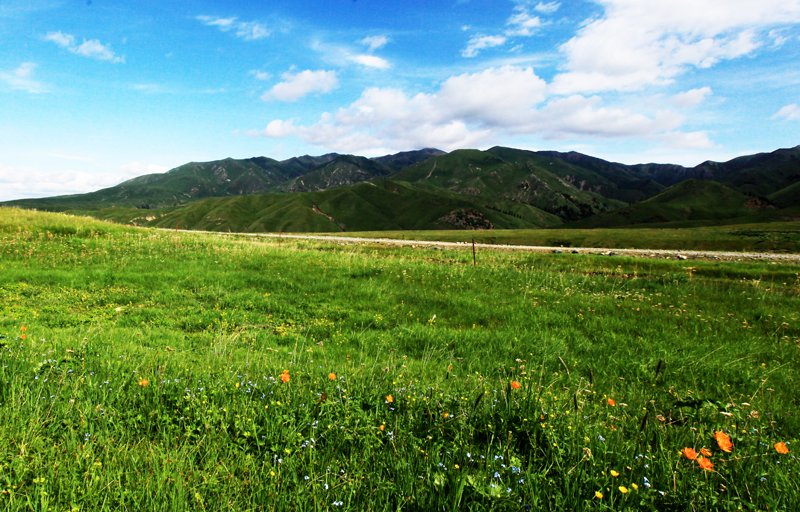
x=210, y=323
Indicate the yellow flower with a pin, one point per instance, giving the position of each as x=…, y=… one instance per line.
x=634, y=486
x=614, y=473
x=623, y=489
x=598, y=495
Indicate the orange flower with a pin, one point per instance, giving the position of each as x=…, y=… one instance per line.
x=389, y=398
x=446, y=415
x=285, y=376
x=690, y=453
x=611, y=402
x=332, y=376
x=23, y=328
x=515, y=384
x=705, y=464
x=22, y=336
x=781, y=448
x=723, y=441
x=706, y=452
x=144, y=382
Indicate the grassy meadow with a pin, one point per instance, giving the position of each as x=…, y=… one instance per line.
x=154, y=370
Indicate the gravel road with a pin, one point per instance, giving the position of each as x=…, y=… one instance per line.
x=642, y=253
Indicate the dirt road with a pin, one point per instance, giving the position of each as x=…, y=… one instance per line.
x=642, y=253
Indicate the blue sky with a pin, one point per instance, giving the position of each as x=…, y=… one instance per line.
x=96, y=92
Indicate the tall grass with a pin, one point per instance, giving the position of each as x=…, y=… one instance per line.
x=148, y=376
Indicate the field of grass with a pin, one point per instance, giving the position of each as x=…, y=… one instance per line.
x=152, y=370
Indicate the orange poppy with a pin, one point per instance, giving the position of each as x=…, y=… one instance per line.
x=611, y=402
x=723, y=441
x=705, y=464
x=144, y=382
x=285, y=376
x=22, y=336
x=706, y=452
x=23, y=328
x=690, y=453
x=781, y=448
x=332, y=376
x=515, y=384
x=389, y=398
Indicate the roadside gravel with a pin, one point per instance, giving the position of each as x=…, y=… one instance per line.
x=642, y=253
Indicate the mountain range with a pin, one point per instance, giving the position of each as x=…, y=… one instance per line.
x=430, y=189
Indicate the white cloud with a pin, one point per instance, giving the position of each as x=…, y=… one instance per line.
x=778, y=38
x=789, y=113
x=96, y=50
x=371, y=61
x=547, y=8
x=635, y=44
x=260, y=75
x=475, y=109
x=25, y=182
x=61, y=39
x=92, y=48
x=278, y=129
x=247, y=30
x=298, y=85
x=374, y=42
x=522, y=23
x=22, y=79
x=477, y=43
x=691, y=98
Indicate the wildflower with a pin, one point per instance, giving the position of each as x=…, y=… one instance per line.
x=446, y=415
x=634, y=486
x=285, y=376
x=623, y=489
x=332, y=376
x=690, y=453
x=23, y=328
x=382, y=427
x=611, y=402
x=706, y=452
x=515, y=384
x=723, y=441
x=389, y=398
x=781, y=448
x=598, y=495
x=614, y=473
x=144, y=382
x=705, y=464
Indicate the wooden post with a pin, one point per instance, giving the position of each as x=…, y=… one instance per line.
x=474, y=260
x=176, y=225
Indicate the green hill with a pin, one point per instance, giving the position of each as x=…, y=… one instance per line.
x=484, y=175
x=379, y=206
x=690, y=202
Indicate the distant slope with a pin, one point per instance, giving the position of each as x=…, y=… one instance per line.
x=341, y=171
x=758, y=175
x=701, y=202
x=404, y=159
x=525, y=180
x=380, y=206
x=230, y=177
